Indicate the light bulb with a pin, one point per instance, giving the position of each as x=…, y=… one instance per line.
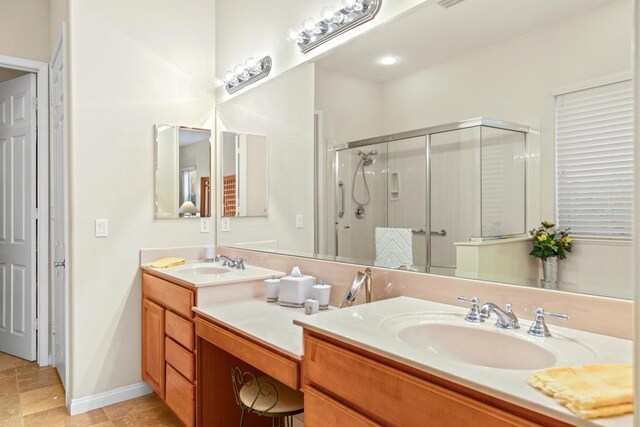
x=241, y=73
x=320, y=27
x=250, y=63
x=219, y=82
x=229, y=77
x=348, y=4
x=292, y=34
x=358, y=6
x=338, y=17
x=308, y=25
x=327, y=14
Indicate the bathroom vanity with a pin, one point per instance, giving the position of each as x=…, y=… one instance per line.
x=405, y=361
x=396, y=361
x=169, y=324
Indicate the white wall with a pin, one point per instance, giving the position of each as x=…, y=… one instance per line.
x=133, y=64
x=281, y=110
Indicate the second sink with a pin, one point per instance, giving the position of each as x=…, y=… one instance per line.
x=477, y=346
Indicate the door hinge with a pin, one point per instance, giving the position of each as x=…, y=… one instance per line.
x=36, y=214
x=35, y=324
x=53, y=327
x=35, y=103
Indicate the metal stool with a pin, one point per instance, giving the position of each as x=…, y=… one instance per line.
x=266, y=397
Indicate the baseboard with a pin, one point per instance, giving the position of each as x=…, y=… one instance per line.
x=96, y=401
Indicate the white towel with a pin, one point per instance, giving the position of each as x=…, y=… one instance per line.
x=394, y=247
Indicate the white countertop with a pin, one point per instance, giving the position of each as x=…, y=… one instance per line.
x=367, y=326
x=185, y=274
x=268, y=323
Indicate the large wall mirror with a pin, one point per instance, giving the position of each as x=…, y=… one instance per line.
x=436, y=142
x=183, y=172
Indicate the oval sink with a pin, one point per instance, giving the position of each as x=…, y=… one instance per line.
x=205, y=270
x=477, y=346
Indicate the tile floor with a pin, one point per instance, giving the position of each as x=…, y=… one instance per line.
x=33, y=396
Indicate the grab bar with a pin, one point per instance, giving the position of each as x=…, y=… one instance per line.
x=341, y=186
x=440, y=233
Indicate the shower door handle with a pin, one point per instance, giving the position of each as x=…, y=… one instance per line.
x=440, y=233
x=341, y=186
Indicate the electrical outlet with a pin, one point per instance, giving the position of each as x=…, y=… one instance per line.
x=225, y=225
x=300, y=221
x=204, y=225
x=102, y=227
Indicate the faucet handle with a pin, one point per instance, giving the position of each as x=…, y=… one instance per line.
x=539, y=326
x=474, y=314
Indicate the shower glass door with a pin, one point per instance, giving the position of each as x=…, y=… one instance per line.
x=455, y=195
x=381, y=185
x=360, y=200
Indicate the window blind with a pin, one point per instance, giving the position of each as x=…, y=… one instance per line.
x=594, y=160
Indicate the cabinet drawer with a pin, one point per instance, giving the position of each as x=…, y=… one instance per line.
x=180, y=359
x=170, y=296
x=180, y=396
x=390, y=396
x=321, y=410
x=180, y=329
x=271, y=363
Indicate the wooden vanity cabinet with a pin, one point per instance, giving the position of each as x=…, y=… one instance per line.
x=350, y=386
x=168, y=344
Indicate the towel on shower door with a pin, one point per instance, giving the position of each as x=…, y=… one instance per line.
x=394, y=247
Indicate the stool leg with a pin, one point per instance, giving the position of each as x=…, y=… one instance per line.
x=241, y=417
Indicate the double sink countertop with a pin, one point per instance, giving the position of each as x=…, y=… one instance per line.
x=425, y=335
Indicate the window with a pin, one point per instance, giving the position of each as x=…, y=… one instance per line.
x=594, y=159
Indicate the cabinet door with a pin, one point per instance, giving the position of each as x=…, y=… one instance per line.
x=153, y=346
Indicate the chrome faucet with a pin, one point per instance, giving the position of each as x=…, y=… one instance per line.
x=360, y=279
x=505, y=318
x=539, y=326
x=237, y=263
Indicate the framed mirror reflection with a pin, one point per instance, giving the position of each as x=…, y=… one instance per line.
x=490, y=140
x=183, y=172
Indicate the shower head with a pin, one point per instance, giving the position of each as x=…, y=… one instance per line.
x=366, y=157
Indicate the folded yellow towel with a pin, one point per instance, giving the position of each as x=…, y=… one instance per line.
x=590, y=391
x=166, y=262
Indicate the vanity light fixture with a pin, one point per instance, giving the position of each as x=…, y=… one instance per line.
x=244, y=75
x=333, y=22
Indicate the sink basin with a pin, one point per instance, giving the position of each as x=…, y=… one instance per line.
x=476, y=346
x=449, y=337
x=205, y=270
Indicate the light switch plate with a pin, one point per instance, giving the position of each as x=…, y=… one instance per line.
x=204, y=225
x=225, y=225
x=102, y=227
x=299, y=221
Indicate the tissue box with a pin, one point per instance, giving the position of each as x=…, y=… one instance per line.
x=294, y=290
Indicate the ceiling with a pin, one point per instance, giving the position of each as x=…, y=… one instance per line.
x=430, y=34
x=189, y=136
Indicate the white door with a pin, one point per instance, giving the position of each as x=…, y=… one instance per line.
x=58, y=201
x=18, y=217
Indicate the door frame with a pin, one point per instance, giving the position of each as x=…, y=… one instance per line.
x=41, y=70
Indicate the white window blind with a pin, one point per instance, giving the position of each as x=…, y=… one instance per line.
x=594, y=160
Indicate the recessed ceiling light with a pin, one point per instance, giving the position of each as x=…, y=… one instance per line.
x=388, y=60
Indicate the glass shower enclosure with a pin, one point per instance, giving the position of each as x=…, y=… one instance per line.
x=438, y=187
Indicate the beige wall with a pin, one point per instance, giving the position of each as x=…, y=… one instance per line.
x=24, y=29
x=58, y=13
x=133, y=64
